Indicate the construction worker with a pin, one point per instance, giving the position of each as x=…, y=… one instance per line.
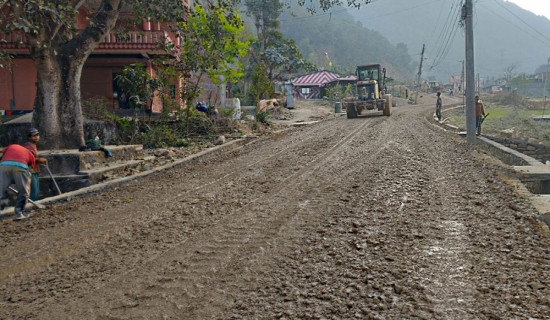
x=438, y=106
x=14, y=168
x=34, y=137
x=480, y=113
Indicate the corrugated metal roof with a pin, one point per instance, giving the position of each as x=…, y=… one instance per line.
x=315, y=79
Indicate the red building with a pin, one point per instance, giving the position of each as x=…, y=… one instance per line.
x=18, y=86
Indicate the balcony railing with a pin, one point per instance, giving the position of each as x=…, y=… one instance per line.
x=13, y=40
x=131, y=40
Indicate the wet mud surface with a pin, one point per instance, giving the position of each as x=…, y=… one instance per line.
x=367, y=218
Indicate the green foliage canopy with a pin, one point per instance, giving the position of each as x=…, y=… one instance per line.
x=208, y=45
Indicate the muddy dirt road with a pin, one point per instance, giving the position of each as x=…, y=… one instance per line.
x=369, y=218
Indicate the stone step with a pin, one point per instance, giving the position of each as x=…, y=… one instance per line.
x=69, y=162
x=86, y=178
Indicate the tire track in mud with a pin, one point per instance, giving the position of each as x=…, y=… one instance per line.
x=404, y=243
x=441, y=273
x=51, y=260
x=231, y=238
x=357, y=219
x=83, y=246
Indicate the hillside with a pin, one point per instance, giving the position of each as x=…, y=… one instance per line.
x=507, y=37
x=346, y=41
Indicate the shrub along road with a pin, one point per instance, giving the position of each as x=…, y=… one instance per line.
x=366, y=218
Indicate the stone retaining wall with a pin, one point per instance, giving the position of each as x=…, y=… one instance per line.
x=534, y=150
x=16, y=132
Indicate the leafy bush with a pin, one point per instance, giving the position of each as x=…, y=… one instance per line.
x=162, y=136
x=96, y=109
x=263, y=117
x=335, y=93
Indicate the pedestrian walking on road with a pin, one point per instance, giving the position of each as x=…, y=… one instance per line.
x=438, y=106
x=34, y=137
x=480, y=113
x=14, y=168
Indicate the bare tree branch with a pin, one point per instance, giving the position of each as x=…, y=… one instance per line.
x=78, y=3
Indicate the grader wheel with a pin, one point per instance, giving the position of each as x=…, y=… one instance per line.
x=350, y=110
x=387, y=105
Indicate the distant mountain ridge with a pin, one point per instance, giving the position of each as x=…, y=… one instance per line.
x=335, y=41
x=506, y=37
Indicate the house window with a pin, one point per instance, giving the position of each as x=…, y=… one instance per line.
x=306, y=91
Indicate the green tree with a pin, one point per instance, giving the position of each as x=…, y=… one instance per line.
x=265, y=14
x=59, y=52
x=139, y=87
x=327, y=4
x=282, y=57
x=261, y=87
x=208, y=49
x=271, y=52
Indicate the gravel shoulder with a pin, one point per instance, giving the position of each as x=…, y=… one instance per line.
x=368, y=218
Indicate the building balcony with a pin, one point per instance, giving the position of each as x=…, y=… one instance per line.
x=135, y=40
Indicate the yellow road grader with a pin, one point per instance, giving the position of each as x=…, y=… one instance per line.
x=370, y=92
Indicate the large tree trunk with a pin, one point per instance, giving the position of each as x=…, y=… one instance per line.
x=57, y=109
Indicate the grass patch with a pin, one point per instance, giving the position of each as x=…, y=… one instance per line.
x=514, y=122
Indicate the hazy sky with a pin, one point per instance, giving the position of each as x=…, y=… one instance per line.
x=540, y=7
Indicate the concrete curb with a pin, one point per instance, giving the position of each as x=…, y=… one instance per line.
x=109, y=185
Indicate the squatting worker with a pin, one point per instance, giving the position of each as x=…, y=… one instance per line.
x=14, y=168
x=34, y=137
x=480, y=113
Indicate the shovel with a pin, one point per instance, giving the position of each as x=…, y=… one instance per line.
x=51, y=176
x=38, y=205
x=483, y=118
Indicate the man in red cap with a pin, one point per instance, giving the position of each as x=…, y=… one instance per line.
x=14, y=168
x=34, y=137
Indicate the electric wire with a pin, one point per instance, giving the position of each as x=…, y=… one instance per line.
x=447, y=34
x=543, y=40
x=520, y=19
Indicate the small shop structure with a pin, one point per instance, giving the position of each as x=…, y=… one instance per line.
x=310, y=86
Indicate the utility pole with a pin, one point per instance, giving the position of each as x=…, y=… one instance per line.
x=461, y=88
x=468, y=13
x=545, y=77
x=419, y=74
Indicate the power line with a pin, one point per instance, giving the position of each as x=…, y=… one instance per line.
x=520, y=19
x=447, y=35
x=544, y=40
x=446, y=32
x=405, y=9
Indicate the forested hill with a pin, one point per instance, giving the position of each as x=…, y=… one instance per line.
x=346, y=41
x=507, y=38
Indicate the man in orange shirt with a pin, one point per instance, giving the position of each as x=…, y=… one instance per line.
x=14, y=168
x=480, y=113
x=34, y=137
